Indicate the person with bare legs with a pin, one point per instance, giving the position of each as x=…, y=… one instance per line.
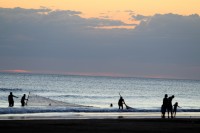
x=169, y=106
x=175, y=108
x=164, y=106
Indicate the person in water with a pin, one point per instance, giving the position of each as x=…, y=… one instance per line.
x=164, y=106
x=121, y=102
x=175, y=108
x=23, y=99
x=11, y=100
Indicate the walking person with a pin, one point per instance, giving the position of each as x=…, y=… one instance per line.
x=175, y=108
x=169, y=106
x=11, y=100
x=164, y=106
x=23, y=99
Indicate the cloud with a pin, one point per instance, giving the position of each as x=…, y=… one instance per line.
x=165, y=45
x=140, y=17
x=168, y=22
x=172, y=37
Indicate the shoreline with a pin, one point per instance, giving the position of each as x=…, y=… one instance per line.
x=141, y=122
x=95, y=115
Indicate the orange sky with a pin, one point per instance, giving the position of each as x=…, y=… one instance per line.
x=114, y=9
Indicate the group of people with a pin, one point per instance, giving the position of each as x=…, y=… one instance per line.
x=167, y=106
x=11, y=99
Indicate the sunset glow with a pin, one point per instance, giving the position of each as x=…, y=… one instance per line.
x=15, y=71
x=112, y=9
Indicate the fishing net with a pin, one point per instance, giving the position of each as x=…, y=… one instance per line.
x=36, y=100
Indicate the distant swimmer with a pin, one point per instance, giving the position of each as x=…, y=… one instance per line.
x=11, y=100
x=23, y=100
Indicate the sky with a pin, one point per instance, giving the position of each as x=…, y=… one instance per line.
x=129, y=38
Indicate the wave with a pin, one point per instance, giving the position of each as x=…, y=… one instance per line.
x=21, y=110
x=86, y=96
x=10, y=89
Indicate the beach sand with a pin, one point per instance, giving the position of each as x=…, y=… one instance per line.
x=99, y=122
x=143, y=125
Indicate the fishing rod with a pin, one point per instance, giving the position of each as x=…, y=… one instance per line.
x=27, y=98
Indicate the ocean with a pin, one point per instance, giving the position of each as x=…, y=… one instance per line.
x=95, y=93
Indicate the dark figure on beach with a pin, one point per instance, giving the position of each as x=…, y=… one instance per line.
x=169, y=106
x=175, y=108
x=121, y=102
x=11, y=100
x=164, y=106
x=23, y=99
x=111, y=105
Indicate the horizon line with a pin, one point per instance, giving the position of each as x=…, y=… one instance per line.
x=19, y=71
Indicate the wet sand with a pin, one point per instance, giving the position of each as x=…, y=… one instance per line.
x=143, y=125
x=92, y=115
x=186, y=122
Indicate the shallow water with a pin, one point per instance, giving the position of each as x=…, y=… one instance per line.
x=142, y=94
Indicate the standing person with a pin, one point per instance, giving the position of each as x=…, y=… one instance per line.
x=175, y=108
x=121, y=102
x=11, y=100
x=164, y=106
x=169, y=106
x=23, y=100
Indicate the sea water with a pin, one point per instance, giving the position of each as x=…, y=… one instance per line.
x=142, y=94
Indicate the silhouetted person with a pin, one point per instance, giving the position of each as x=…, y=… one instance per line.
x=11, y=100
x=175, y=108
x=23, y=99
x=169, y=106
x=121, y=102
x=164, y=106
x=111, y=105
